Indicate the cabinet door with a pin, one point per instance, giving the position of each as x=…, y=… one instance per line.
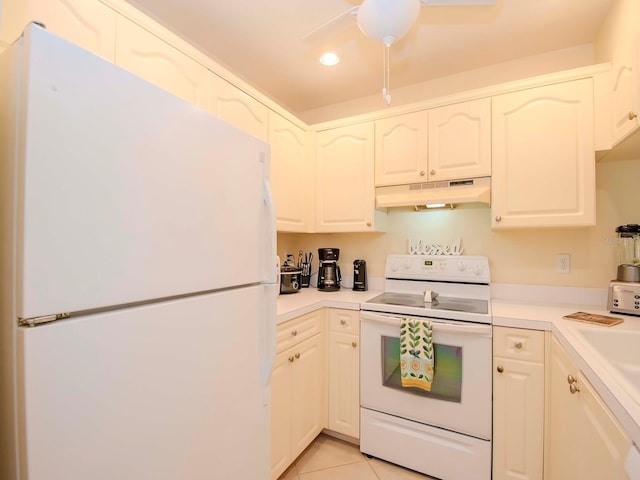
x=344, y=384
x=460, y=141
x=543, y=172
x=345, y=193
x=586, y=441
x=291, y=175
x=563, y=452
x=625, y=93
x=518, y=425
x=156, y=61
x=87, y=23
x=307, y=393
x=401, y=149
x=281, y=413
x=606, y=443
x=238, y=108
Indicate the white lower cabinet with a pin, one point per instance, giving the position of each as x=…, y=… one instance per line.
x=344, y=372
x=298, y=406
x=518, y=403
x=586, y=440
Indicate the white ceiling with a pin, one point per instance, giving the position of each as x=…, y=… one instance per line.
x=262, y=41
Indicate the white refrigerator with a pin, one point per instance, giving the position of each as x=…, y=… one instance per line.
x=138, y=275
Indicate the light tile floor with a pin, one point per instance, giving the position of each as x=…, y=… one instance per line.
x=328, y=458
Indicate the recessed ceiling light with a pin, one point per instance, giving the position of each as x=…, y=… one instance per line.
x=329, y=59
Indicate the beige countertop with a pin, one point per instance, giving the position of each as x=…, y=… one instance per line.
x=519, y=314
x=307, y=300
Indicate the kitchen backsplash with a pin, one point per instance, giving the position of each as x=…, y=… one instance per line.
x=525, y=256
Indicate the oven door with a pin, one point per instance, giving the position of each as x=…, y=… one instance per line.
x=460, y=396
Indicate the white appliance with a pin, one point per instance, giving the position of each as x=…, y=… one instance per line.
x=446, y=432
x=138, y=277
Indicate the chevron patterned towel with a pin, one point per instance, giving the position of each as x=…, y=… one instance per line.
x=416, y=353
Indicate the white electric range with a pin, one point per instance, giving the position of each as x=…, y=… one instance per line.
x=445, y=432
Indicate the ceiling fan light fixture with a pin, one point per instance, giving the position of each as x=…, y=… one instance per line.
x=387, y=20
x=329, y=59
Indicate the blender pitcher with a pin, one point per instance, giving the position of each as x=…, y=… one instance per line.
x=628, y=252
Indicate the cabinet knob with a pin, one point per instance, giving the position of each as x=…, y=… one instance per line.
x=298, y=355
x=518, y=345
x=294, y=332
x=500, y=369
x=573, y=388
x=632, y=115
x=422, y=173
x=368, y=224
x=571, y=379
x=432, y=172
x=498, y=219
x=291, y=359
x=354, y=344
x=343, y=322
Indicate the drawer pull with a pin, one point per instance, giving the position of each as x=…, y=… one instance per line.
x=573, y=388
x=297, y=355
x=571, y=379
x=500, y=369
x=291, y=359
x=518, y=345
x=294, y=332
x=632, y=115
x=343, y=322
x=354, y=344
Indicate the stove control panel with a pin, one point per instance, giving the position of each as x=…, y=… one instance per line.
x=449, y=268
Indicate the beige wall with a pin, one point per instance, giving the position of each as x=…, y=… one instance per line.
x=523, y=256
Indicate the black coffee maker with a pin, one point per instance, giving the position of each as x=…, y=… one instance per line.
x=329, y=272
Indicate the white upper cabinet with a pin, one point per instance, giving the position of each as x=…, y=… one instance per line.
x=345, y=194
x=151, y=58
x=291, y=175
x=625, y=92
x=237, y=107
x=543, y=172
x=460, y=140
x=87, y=23
x=445, y=143
x=401, y=149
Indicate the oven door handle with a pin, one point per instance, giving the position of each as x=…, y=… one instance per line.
x=463, y=328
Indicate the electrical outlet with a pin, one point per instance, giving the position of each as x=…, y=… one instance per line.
x=563, y=263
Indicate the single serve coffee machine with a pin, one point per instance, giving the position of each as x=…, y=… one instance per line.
x=329, y=272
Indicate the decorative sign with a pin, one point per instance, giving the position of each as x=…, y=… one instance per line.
x=422, y=247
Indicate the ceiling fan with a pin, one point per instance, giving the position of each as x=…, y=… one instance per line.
x=387, y=21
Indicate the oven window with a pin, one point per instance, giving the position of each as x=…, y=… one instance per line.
x=447, y=377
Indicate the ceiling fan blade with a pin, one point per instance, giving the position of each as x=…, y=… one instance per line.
x=455, y=3
x=342, y=20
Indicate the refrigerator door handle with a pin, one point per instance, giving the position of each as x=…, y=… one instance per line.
x=268, y=340
x=271, y=264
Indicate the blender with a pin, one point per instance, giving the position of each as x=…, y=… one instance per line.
x=624, y=291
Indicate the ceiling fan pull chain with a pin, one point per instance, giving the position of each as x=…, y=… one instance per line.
x=386, y=89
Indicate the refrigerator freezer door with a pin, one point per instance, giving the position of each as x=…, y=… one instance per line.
x=127, y=193
x=165, y=391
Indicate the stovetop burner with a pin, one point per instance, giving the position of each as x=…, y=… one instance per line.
x=460, y=282
x=467, y=305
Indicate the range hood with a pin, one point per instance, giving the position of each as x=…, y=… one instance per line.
x=448, y=192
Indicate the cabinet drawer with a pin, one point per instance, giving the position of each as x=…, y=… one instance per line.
x=344, y=321
x=518, y=343
x=294, y=331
